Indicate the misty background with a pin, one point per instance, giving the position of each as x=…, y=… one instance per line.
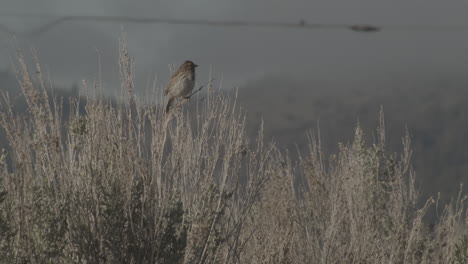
x=294, y=79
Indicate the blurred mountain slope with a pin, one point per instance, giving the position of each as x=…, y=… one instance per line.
x=434, y=109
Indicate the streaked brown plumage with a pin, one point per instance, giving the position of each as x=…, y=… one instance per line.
x=181, y=83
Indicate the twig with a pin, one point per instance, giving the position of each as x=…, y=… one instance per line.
x=199, y=89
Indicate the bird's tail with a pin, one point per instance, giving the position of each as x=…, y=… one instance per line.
x=169, y=103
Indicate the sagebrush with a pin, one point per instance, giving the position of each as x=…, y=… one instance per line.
x=127, y=183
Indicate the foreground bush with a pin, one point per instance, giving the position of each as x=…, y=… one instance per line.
x=128, y=184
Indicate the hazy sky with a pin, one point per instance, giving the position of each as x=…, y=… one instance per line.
x=243, y=54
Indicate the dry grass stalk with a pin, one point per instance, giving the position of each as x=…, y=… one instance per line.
x=129, y=184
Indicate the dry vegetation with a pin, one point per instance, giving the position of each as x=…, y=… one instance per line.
x=128, y=184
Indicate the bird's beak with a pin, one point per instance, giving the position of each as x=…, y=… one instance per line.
x=195, y=65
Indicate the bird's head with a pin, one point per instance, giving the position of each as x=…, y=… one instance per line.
x=189, y=65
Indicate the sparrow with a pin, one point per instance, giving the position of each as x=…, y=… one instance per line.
x=181, y=83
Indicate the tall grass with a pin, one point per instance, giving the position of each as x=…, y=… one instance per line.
x=127, y=183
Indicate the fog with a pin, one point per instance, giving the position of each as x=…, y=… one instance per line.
x=236, y=55
x=420, y=51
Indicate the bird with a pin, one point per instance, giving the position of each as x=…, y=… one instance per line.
x=181, y=83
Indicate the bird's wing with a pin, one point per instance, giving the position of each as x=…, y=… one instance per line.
x=167, y=89
x=171, y=83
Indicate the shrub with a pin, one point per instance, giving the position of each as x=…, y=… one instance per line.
x=126, y=183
